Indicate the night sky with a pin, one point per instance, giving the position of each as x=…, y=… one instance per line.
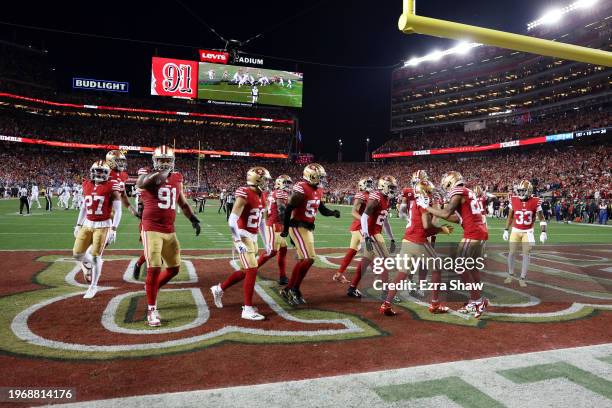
x=351, y=104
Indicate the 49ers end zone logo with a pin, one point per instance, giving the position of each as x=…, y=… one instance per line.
x=55, y=321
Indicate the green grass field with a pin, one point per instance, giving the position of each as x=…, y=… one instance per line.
x=54, y=230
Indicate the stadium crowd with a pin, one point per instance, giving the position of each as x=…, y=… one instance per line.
x=502, y=132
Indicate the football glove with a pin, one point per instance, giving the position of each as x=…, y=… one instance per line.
x=111, y=237
x=195, y=223
x=77, y=228
x=368, y=243
x=392, y=247
x=423, y=202
x=506, y=235
x=240, y=247
x=447, y=229
x=543, y=237
x=336, y=213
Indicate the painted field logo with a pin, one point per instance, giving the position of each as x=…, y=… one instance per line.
x=56, y=322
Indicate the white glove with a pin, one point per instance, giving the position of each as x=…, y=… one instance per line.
x=423, y=201
x=543, y=237
x=111, y=237
x=268, y=249
x=76, y=230
x=240, y=247
x=506, y=235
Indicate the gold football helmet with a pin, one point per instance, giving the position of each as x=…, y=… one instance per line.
x=259, y=177
x=417, y=176
x=163, y=158
x=283, y=182
x=451, y=180
x=116, y=160
x=366, y=184
x=424, y=188
x=478, y=191
x=100, y=171
x=524, y=189
x=315, y=174
x=387, y=185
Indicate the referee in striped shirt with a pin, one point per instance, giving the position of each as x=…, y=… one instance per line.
x=23, y=200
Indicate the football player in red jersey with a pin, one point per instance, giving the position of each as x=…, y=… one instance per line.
x=299, y=223
x=408, y=192
x=245, y=221
x=481, y=195
x=523, y=206
x=416, y=244
x=373, y=220
x=117, y=162
x=96, y=226
x=277, y=202
x=464, y=206
x=364, y=187
x=162, y=190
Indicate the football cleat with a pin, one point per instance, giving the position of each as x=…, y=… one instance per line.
x=386, y=310
x=136, y=271
x=396, y=299
x=508, y=280
x=286, y=295
x=436, y=308
x=250, y=313
x=86, y=268
x=353, y=292
x=217, y=293
x=91, y=292
x=522, y=283
x=153, y=318
x=283, y=280
x=481, y=307
x=297, y=296
x=340, y=278
x=467, y=308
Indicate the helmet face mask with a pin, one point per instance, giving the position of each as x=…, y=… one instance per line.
x=163, y=158
x=116, y=160
x=366, y=184
x=99, y=172
x=259, y=177
x=418, y=176
x=315, y=175
x=424, y=189
x=523, y=190
x=451, y=180
x=283, y=182
x=388, y=186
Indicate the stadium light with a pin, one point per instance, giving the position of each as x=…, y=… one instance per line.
x=461, y=48
x=555, y=15
x=585, y=3
x=552, y=17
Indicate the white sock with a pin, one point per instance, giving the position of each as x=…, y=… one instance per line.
x=525, y=265
x=511, y=263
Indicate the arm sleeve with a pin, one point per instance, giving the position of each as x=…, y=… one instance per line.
x=287, y=217
x=117, y=216
x=364, y=223
x=82, y=213
x=326, y=212
x=233, y=224
x=388, y=230
x=262, y=230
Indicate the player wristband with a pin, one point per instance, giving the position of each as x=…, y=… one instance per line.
x=543, y=223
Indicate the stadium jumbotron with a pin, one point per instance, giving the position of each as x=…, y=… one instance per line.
x=219, y=210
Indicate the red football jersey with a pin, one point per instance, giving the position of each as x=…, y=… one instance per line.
x=273, y=215
x=307, y=210
x=160, y=204
x=415, y=231
x=525, y=212
x=408, y=194
x=470, y=214
x=120, y=177
x=253, y=209
x=376, y=219
x=98, y=199
x=363, y=196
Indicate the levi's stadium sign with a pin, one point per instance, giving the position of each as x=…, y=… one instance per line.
x=218, y=57
x=100, y=85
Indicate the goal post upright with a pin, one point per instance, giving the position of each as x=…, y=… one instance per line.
x=410, y=23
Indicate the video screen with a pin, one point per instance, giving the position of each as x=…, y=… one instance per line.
x=250, y=85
